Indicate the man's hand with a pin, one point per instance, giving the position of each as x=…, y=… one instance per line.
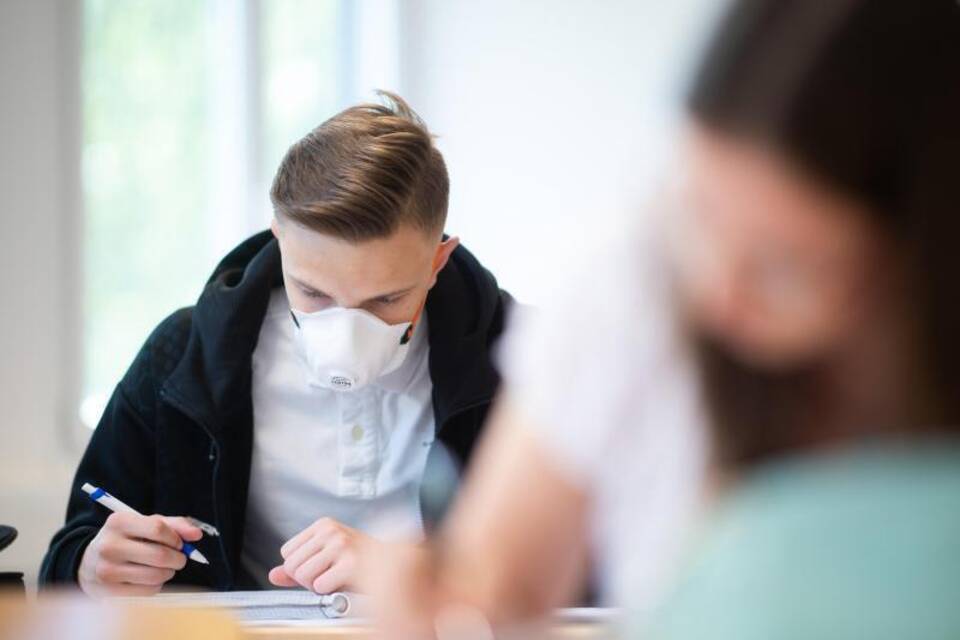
x=324, y=557
x=134, y=555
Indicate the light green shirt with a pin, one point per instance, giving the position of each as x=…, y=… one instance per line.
x=853, y=545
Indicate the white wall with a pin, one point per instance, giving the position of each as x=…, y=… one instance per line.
x=37, y=281
x=550, y=115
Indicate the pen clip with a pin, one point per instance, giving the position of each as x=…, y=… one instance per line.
x=208, y=529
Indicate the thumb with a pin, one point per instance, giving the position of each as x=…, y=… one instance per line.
x=183, y=527
x=279, y=577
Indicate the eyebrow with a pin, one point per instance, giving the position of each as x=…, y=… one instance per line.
x=307, y=287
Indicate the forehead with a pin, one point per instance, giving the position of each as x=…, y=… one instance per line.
x=335, y=266
x=747, y=192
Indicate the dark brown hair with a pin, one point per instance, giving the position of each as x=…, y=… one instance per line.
x=864, y=95
x=363, y=173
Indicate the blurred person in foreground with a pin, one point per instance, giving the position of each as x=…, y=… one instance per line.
x=790, y=334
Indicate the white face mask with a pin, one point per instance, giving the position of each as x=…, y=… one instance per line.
x=345, y=349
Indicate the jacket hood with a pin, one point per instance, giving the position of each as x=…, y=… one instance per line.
x=463, y=308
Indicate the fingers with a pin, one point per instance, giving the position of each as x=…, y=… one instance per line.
x=184, y=528
x=320, y=558
x=296, y=541
x=124, y=589
x=323, y=573
x=145, y=527
x=310, y=553
x=306, y=551
x=323, y=525
x=279, y=577
x=135, y=574
x=333, y=579
x=133, y=554
x=149, y=554
x=316, y=565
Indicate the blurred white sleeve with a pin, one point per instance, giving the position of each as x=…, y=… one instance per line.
x=602, y=375
x=582, y=367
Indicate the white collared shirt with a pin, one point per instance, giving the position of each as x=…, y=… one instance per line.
x=356, y=456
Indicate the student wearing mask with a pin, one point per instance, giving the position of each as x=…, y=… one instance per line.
x=330, y=364
x=800, y=299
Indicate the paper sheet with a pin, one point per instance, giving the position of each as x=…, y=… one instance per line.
x=298, y=607
x=272, y=605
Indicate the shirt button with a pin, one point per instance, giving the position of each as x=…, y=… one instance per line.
x=357, y=433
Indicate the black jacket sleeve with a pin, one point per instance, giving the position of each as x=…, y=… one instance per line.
x=120, y=458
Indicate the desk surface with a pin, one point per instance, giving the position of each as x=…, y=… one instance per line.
x=562, y=631
x=305, y=633
x=58, y=617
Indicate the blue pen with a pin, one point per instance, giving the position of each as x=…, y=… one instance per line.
x=99, y=495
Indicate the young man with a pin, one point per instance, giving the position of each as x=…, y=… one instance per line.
x=326, y=369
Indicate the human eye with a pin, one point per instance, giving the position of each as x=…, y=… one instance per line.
x=388, y=300
x=315, y=295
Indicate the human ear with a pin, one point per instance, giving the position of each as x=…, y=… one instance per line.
x=444, y=251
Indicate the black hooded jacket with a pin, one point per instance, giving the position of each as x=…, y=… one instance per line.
x=176, y=437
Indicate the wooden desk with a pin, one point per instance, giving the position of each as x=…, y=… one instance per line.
x=53, y=618
x=309, y=633
x=564, y=631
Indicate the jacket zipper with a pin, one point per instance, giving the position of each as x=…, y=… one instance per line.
x=214, y=451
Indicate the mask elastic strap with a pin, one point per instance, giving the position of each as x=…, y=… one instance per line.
x=408, y=334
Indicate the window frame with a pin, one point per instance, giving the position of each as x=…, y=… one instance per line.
x=371, y=57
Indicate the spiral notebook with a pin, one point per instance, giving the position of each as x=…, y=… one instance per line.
x=272, y=605
x=293, y=607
